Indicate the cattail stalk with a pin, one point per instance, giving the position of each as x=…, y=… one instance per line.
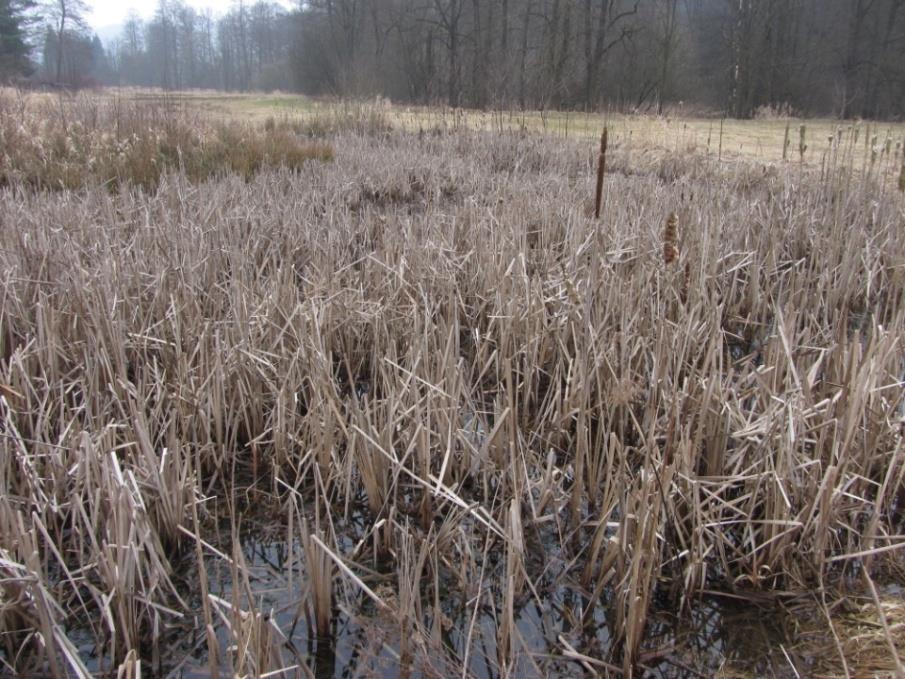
x=601, y=169
x=786, y=143
x=719, y=156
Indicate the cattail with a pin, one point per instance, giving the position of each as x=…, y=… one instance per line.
x=686, y=281
x=901, y=145
x=671, y=239
x=786, y=142
x=802, y=146
x=601, y=168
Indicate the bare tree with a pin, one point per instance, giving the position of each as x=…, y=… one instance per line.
x=668, y=34
x=606, y=25
x=449, y=18
x=729, y=56
x=64, y=16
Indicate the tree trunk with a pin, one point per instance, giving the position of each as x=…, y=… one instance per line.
x=523, y=58
x=60, y=36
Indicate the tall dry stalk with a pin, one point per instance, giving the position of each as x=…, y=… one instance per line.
x=601, y=170
x=320, y=574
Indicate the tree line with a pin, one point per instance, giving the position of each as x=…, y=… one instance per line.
x=737, y=57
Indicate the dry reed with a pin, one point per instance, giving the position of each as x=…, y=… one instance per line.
x=451, y=429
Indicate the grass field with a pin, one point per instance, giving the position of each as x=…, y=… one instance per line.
x=761, y=139
x=295, y=389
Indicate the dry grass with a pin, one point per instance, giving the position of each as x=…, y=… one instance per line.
x=430, y=334
x=767, y=139
x=72, y=144
x=857, y=635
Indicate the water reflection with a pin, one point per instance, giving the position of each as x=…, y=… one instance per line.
x=695, y=644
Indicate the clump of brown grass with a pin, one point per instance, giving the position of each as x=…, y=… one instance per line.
x=852, y=636
x=242, y=150
x=82, y=143
x=346, y=117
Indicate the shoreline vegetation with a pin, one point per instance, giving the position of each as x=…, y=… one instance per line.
x=363, y=386
x=769, y=138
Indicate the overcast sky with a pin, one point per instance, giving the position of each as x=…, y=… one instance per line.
x=106, y=13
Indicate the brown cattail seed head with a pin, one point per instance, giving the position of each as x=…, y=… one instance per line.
x=902, y=171
x=786, y=142
x=671, y=239
x=601, y=170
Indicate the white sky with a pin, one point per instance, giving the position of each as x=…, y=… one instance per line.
x=109, y=12
x=104, y=13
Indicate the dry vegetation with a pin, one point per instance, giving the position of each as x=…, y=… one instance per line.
x=66, y=143
x=451, y=396
x=768, y=137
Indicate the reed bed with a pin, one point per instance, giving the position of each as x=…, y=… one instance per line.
x=72, y=143
x=430, y=339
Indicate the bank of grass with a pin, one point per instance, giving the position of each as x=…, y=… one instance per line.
x=763, y=139
x=858, y=636
x=457, y=396
x=48, y=143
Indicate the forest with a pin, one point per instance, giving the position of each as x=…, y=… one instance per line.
x=741, y=58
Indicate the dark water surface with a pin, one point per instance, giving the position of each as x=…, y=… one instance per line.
x=718, y=629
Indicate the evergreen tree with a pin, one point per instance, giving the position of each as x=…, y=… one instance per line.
x=14, y=47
